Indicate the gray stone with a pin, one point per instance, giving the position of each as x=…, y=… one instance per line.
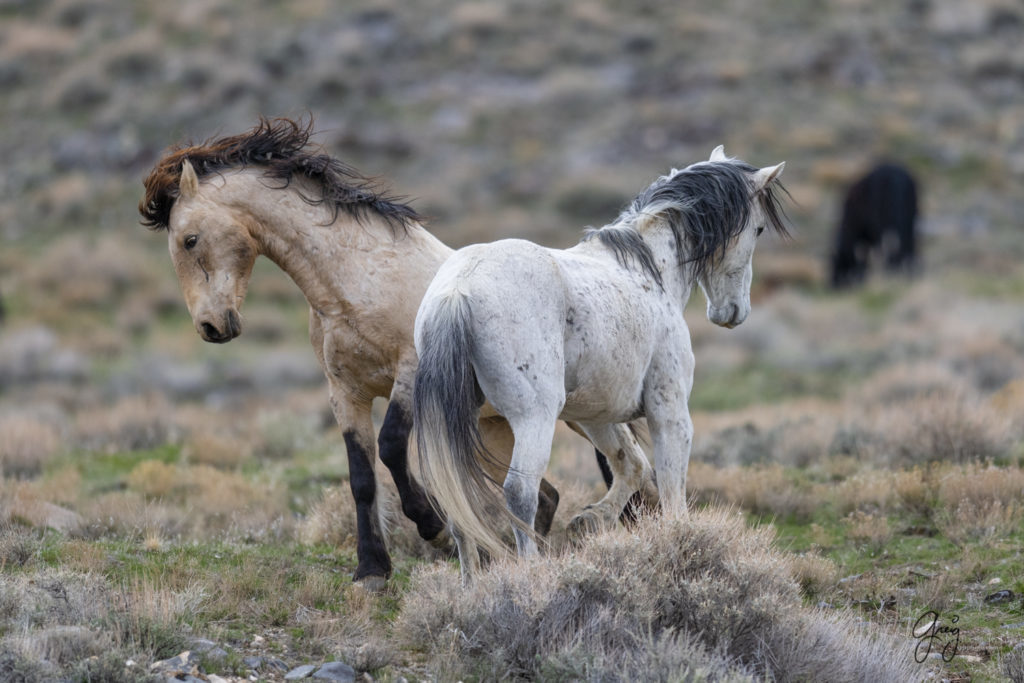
x=304, y=671
x=252, y=662
x=202, y=645
x=276, y=664
x=215, y=653
x=336, y=671
x=185, y=661
x=999, y=597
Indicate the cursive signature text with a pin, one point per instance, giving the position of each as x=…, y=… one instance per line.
x=931, y=634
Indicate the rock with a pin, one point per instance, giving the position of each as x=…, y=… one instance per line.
x=999, y=597
x=336, y=671
x=183, y=663
x=252, y=662
x=299, y=672
x=202, y=645
x=275, y=664
x=216, y=654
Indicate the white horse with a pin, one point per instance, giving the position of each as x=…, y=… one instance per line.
x=593, y=334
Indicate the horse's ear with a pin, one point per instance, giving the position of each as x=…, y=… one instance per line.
x=718, y=154
x=188, y=187
x=764, y=176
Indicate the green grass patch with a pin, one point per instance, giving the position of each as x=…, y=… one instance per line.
x=736, y=388
x=107, y=471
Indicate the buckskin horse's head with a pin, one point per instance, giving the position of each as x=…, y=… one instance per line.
x=213, y=254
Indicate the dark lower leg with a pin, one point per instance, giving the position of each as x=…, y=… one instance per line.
x=394, y=452
x=547, y=503
x=370, y=549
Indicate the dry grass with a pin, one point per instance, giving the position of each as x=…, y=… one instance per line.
x=981, y=521
x=945, y=428
x=1012, y=665
x=707, y=582
x=980, y=502
x=814, y=573
x=26, y=445
x=128, y=425
x=762, y=489
x=865, y=491
x=215, y=449
x=331, y=520
x=154, y=479
x=872, y=530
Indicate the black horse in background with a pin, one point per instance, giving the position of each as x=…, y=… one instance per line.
x=880, y=210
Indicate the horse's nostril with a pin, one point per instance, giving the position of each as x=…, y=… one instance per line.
x=210, y=331
x=234, y=325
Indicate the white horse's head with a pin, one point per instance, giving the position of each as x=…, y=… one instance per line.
x=726, y=286
x=213, y=255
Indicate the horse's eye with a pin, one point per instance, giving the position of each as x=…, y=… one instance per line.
x=760, y=230
x=191, y=240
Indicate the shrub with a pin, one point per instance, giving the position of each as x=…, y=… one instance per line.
x=1012, y=664
x=706, y=583
x=870, y=529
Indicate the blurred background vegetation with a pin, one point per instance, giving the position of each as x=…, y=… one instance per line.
x=496, y=119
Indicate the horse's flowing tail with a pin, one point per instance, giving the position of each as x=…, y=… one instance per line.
x=446, y=407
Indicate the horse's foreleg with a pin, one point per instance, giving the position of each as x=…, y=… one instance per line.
x=666, y=401
x=374, y=564
x=630, y=473
x=672, y=436
x=394, y=453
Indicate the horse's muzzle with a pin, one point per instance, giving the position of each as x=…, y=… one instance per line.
x=728, y=316
x=231, y=328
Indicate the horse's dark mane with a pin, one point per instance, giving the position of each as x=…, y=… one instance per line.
x=706, y=205
x=282, y=149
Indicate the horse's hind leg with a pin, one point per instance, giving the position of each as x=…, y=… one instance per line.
x=499, y=442
x=630, y=473
x=530, y=455
x=394, y=453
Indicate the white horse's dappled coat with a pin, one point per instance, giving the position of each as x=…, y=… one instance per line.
x=593, y=334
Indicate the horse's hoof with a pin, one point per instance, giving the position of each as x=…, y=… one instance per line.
x=371, y=583
x=586, y=523
x=443, y=541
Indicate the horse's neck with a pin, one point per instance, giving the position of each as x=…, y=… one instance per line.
x=676, y=279
x=339, y=263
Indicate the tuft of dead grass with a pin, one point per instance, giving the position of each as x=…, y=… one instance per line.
x=26, y=445
x=814, y=573
x=1012, y=664
x=980, y=502
x=217, y=450
x=762, y=489
x=130, y=424
x=707, y=582
x=870, y=529
x=945, y=428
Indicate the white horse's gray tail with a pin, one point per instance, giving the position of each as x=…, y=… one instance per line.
x=446, y=409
